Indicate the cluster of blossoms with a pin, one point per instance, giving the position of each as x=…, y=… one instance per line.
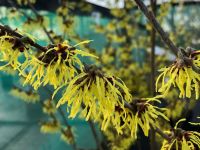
x=27, y=96
x=37, y=22
x=181, y=139
x=98, y=94
x=105, y=97
x=26, y=2
x=141, y=113
x=49, y=107
x=50, y=127
x=183, y=74
x=11, y=50
x=55, y=66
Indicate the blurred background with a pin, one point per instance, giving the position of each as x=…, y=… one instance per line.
x=94, y=20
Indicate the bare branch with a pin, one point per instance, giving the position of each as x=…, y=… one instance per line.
x=150, y=16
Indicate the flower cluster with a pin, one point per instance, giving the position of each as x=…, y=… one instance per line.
x=50, y=127
x=97, y=93
x=181, y=139
x=36, y=22
x=11, y=50
x=48, y=107
x=26, y=2
x=183, y=73
x=105, y=98
x=27, y=96
x=55, y=66
x=144, y=114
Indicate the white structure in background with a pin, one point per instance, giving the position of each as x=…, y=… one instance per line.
x=120, y=3
x=108, y=3
x=96, y=17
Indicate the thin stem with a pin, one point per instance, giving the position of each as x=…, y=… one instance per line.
x=39, y=16
x=150, y=16
x=153, y=44
x=161, y=133
x=153, y=92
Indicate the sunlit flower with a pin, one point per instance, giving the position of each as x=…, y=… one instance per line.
x=111, y=26
x=50, y=127
x=98, y=92
x=48, y=107
x=144, y=114
x=13, y=13
x=11, y=49
x=181, y=139
x=25, y=2
x=116, y=38
x=54, y=67
x=36, y=23
x=183, y=74
x=62, y=10
x=118, y=12
x=139, y=113
x=27, y=96
x=66, y=24
x=108, y=56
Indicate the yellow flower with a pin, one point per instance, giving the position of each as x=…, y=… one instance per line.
x=50, y=127
x=119, y=142
x=140, y=112
x=116, y=38
x=62, y=10
x=183, y=74
x=65, y=25
x=111, y=26
x=98, y=28
x=181, y=139
x=13, y=13
x=48, y=107
x=68, y=136
x=145, y=114
x=98, y=92
x=29, y=97
x=56, y=38
x=35, y=23
x=9, y=70
x=118, y=12
x=25, y=2
x=54, y=67
x=11, y=49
